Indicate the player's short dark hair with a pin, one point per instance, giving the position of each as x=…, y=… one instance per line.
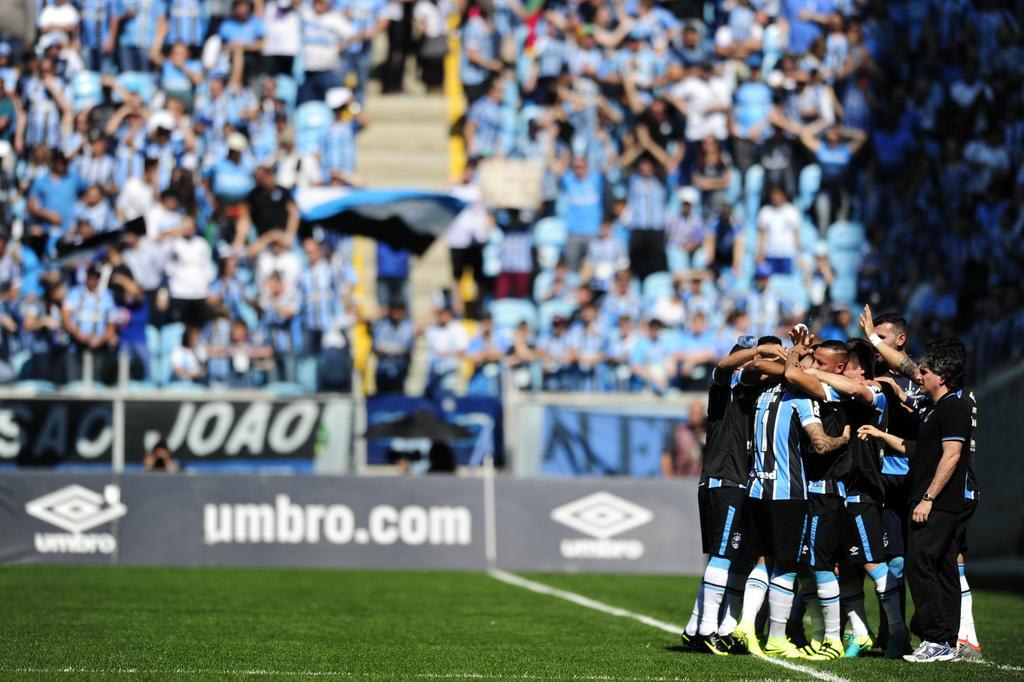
x=865, y=354
x=769, y=340
x=834, y=346
x=948, y=359
x=898, y=322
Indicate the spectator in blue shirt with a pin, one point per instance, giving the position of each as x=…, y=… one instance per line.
x=483, y=122
x=480, y=60
x=51, y=200
x=583, y=190
x=393, y=337
x=392, y=274
x=88, y=316
x=135, y=27
x=751, y=119
x=244, y=31
x=646, y=208
x=486, y=351
x=834, y=156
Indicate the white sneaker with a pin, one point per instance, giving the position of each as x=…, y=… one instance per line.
x=930, y=652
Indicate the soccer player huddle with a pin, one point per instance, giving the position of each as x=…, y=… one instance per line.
x=825, y=462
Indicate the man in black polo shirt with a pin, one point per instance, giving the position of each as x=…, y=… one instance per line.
x=269, y=208
x=723, y=486
x=938, y=464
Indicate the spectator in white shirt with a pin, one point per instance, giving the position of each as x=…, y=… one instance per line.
x=778, y=225
x=282, y=36
x=446, y=346
x=325, y=34
x=281, y=259
x=188, y=360
x=190, y=272
x=139, y=192
x=59, y=16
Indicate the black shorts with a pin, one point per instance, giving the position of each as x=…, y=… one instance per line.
x=775, y=528
x=823, y=547
x=961, y=537
x=721, y=520
x=895, y=514
x=865, y=540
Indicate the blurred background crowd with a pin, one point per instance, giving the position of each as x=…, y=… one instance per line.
x=709, y=170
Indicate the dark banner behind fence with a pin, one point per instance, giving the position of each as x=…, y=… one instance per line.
x=431, y=522
x=55, y=432
x=204, y=433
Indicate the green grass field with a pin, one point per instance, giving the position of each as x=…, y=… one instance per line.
x=183, y=624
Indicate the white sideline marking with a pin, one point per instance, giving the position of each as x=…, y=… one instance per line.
x=580, y=600
x=326, y=673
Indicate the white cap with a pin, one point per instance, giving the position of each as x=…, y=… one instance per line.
x=689, y=195
x=237, y=142
x=338, y=97
x=161, y=119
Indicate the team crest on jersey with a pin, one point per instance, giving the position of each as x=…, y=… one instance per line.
x=736, y=539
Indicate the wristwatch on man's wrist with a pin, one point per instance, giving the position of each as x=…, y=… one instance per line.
x=927, y=498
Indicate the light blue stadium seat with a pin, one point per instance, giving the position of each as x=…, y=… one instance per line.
x=772, y=47
x=808, y=186
x=284, y=388
x=845, y=263
x=735, y=188
x=36, y=385
x=678, y=260
x=550, y=236
x=753, y=184
x=541, y=283
x=549, y=310
x=844, y=290
x=138, y=82
x=19, y=360
x=507, y=313
x=657, y=286
x=287, y=90
x=170, y=338
x=492, y=254
x=305, y=374
x=790, y=288
x=845, y=236
x=86, y=90
x=141, y=386
x=184, y=386
x=809, y=236
x=312, y=119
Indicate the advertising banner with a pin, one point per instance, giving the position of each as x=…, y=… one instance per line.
x=595, y=442
x=481, y=415
x=614, y=526
x=241, y=520
x=56, y=432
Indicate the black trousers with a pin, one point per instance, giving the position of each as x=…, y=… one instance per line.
x=647, y=252
x=933, y=577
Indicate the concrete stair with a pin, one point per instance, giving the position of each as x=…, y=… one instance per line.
x=405, y=145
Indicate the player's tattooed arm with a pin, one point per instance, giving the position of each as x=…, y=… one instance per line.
x=823, y=443
x=896, y=359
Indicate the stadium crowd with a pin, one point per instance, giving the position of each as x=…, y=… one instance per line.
x=826, y=464
x=710, y=170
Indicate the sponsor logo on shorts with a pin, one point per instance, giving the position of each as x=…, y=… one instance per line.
x=602, y=516
x=77, y=509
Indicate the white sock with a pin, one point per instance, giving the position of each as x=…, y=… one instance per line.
x=851, y=599
x=698, y=603
x=753, y=592
x=780, y=602
x=733, y=600
x=716, y=575
x=828, y=595
x=887, y=589
x=966, y=610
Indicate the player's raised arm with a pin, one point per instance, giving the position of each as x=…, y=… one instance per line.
x=896, y=359
x=844, y=385
x=797, y=377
